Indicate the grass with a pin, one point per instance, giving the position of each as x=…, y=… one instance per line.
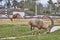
x=25, y=21
x=41, y=37
x=9, y=30
x=18, y=29
x=12, y=30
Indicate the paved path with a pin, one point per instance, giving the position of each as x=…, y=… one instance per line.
x=16, y=37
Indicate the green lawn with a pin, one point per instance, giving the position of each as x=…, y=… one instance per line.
x=13, y=30
x=17, y=30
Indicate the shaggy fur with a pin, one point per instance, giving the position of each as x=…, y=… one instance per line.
x=41, y=24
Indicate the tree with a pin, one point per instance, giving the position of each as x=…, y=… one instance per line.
x=8, y=4
x=39, y=8
x=1, y=1
x=50, y=2
x=50, y=6
x=15, y=3
x=22, y=4
x=30, y=4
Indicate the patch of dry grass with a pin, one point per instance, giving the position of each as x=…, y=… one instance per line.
x=25, y=21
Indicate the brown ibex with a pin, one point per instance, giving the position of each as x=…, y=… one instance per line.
x=41, y=25
x=14, y=16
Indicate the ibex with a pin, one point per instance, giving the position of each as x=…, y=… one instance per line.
x=14, y=16
x=41, y=25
